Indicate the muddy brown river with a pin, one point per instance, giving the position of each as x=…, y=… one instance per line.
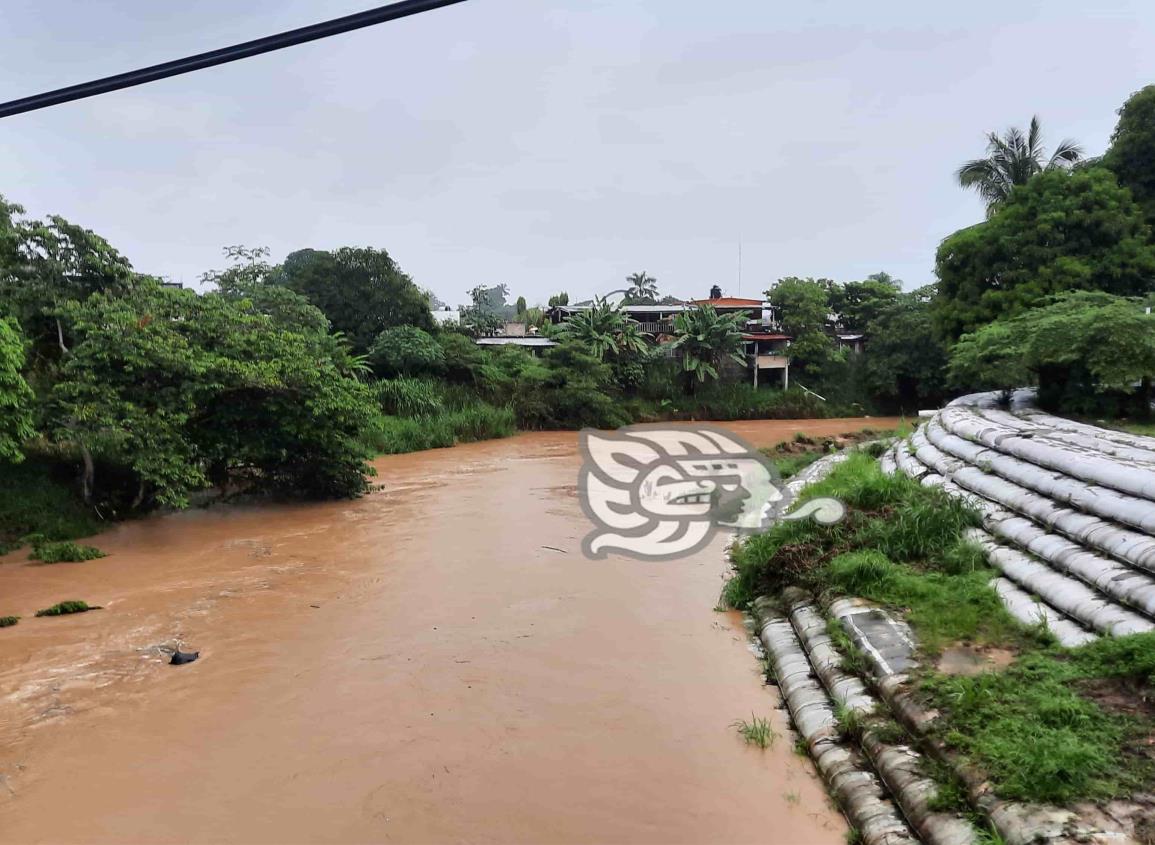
x=435, y=662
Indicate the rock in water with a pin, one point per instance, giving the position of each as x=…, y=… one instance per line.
x=180, y=658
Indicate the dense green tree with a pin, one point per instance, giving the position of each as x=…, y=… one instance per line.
x=55, y=262
x=906, y=362
x=250, y=279
x=857, y=304
x=406, y=351
x=1012, y=159
x=703, y=339
x=1088, y=351
x=559, y=299
x=185, y=390
x=605, y=330
x=1061, y=231
x=642, y=290
x=362, y=291
x=520, y=306
x=803, y=307
x=1132, y=153
x=15, y=394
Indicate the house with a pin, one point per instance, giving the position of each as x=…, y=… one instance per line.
x=764, y=345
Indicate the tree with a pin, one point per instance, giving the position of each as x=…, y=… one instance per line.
x=803, y=307
x=406, y=351
x=55, y=262
x=249, y=279
x=15, y=395
x=362, y=291
x=1061, y=231
x=1011, y=160
x=859, y=303
x=1088, y=351
x=643, y=289
x=183, y=391
x=906, y=362
x=704, y=338
x=521, y=307
x=484, y=317
x=1131, y=156
x=605, y=330
x=559, y=299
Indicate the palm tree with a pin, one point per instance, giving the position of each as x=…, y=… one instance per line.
x=642, y=286
x=1012, y=160
x=605, y=329
x=704, y=337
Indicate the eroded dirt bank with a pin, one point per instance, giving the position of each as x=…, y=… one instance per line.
x=415, y=666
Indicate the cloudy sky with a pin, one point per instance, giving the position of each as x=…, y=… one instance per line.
x=555, y=144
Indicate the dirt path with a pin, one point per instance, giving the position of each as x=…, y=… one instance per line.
x=415, y=666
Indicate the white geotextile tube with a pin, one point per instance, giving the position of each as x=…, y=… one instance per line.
x=1115, y=580
x=887, y=461
x=899, y=766
x=1124, y=438
x=1097, y=469
x=1131, y=547
x=1091, y=498
x=1066, y=595
x=1084, y=442
x=1029, y=611
x=853, y=785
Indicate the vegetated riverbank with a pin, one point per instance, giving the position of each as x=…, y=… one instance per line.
x=411, y=664
x=1041, y=722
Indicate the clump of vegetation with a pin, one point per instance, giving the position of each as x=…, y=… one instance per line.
x=758, y=731
x=393, y=435
x=1057, y=725
x=64, y=551
x=793, y=456
x=65, y=608
x=8, y=621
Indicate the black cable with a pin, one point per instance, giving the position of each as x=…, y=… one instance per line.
x=223, y=55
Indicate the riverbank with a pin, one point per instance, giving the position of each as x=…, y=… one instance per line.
x=434, y=662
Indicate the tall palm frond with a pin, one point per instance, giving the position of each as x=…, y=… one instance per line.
x=1011, y=160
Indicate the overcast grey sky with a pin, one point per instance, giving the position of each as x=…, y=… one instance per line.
x=555, y=144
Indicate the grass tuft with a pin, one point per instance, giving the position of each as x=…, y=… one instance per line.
x=757, y=731
x=8, y=621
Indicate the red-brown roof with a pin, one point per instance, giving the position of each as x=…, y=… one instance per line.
x=729, y=302
x=764, y=336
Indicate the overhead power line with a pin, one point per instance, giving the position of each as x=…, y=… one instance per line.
x=223, y=55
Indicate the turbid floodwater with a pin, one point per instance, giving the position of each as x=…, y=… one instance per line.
x=434, y=662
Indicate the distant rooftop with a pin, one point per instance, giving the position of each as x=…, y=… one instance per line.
x=729, y=302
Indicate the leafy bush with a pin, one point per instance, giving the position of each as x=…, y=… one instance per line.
x=64, y=551
x=8, y=621
x=38, y=498
x=406, y=350
x=66, y=607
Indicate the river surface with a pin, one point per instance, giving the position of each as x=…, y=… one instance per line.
x=434, y=662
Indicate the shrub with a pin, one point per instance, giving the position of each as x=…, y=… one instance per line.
x=64, y=551
x=8, y=621
x=64, y=608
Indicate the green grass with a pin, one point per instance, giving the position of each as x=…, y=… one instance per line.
x=793, y=456
x=64, y=551
x=757, y=731
x=1057, y=725
x=395, y=434
x=8, y=621
x=66, y=607
x=35, y=500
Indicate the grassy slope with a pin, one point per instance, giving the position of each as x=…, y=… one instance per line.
x=1057, y=725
